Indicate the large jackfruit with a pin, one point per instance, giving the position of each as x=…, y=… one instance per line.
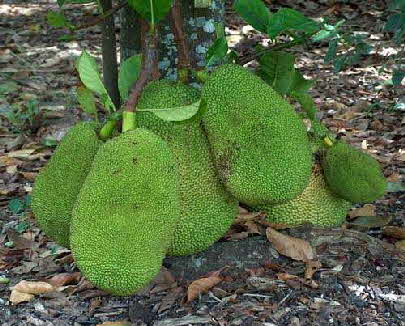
x=317, y=205
x=58, y=184
x=353, y=174
x=126, y=212
x=259, y=143
x=207, y=211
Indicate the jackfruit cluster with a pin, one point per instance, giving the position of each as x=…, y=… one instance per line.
x=353, y=174
x=126, y=212
x=207, y=210
x=259, y=143
x=316, y=205
x=58, y=184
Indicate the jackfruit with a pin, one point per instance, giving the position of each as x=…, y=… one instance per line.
x=207, y=211
x=317, y=205
x=353, y=174
x=259, y=143
x=126, y=212
x=58, y=184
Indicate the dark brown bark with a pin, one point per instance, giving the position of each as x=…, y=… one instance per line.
x=130, y=34
x=149, y=69
x=109, y=53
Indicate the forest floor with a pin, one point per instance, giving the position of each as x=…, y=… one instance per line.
x=359, y=276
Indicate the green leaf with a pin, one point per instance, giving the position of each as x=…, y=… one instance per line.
x=179, y=113
x=306, y=102
x=254, y=12
x=16, y=206
x=160, y=8
x=277, y=69
x=22, y=227
x=289, y=19
x=300, y=84
x=217, y=51
x=332, y=50
x=86, y=99
x=8, y=87
x=129, y=73
x=57, y=19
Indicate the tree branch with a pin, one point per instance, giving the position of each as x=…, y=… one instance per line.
x=101, y=18
x=183, y=51
x=149, y=69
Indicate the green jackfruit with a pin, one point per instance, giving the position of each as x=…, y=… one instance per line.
x=58, y=184
x=207, y=211
x=260, y=146
x=353, y=174
x=317, y=205
x=126, y=212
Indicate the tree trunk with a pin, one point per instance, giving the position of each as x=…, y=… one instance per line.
x=109, y=53
x=199, y=28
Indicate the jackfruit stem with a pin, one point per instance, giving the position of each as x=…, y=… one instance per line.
x=128, y=121
x=107, y=130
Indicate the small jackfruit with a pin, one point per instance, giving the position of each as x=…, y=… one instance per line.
x=126, y=212
x=259, y=143
x=58, y=184
x=353, y=174
x=207, y=211
x=317, y=205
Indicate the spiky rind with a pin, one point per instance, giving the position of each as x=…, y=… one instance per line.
x=353, y=174
x=316, y=205
x=126, y=213
x=58, y=184
x=207, y=211
x=259, y=143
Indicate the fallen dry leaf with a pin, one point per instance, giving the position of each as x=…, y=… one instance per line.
x=202, y=286
x=116, y=323
x=395, y=232
x=64, y=279
x=295, y=248
x=33, y=287
x=366, y=210
x=400, y=245
x=311, y=267
x=17, y=297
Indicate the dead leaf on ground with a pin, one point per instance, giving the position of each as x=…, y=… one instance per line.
x=64, y=279
x=400, y=245
x=295, y=248
x=311, y=268
x=395, y=232
x=366, y=210
x=202, y=285
x=17, y=297
x=367, y=222
x=33, y=287
x=116, y=323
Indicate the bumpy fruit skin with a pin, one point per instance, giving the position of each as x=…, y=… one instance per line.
x=260, y=146
x=58, y=184
x=207, y=211
x=353, y=174
x=126, y=213
x=316, y=205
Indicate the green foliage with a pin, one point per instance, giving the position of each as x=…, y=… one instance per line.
x=87, y=100
x=23, y=118
x=58, y=184
x=353, y=174
x=126, y=212
x=89, y=74
x=207, y=211
x=316, y=205
x=254, y=135
x=57, y=19
x=151, y=10
x=254, y=12
x=128, y=74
